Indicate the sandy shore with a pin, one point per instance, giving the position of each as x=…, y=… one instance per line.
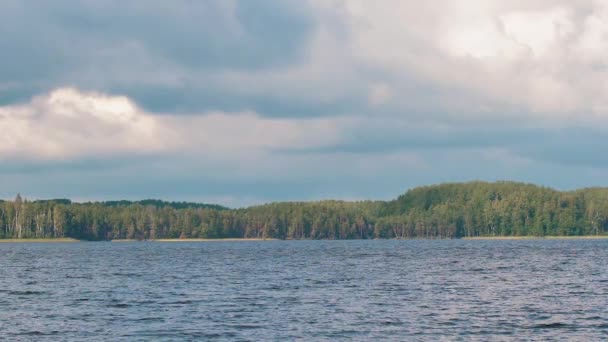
x=583, y=237
x=40, y=240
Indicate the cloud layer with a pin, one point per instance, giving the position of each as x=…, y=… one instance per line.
x=299, y=99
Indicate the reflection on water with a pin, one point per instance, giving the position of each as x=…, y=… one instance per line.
x=311, y=290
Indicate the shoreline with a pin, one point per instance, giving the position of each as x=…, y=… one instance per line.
x=196, y=240
x=558, y=237
x=41, y=240
x=213, y=240
x=473, y=238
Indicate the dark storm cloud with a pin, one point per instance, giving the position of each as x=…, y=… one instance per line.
x=103, y=45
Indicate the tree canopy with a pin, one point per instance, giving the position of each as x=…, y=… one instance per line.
x=451, y=210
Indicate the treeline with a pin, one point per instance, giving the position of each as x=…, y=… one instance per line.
x=440, y=211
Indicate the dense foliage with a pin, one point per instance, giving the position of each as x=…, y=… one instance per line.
x=440, y=211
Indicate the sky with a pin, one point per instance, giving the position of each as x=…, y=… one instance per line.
x=242, y=102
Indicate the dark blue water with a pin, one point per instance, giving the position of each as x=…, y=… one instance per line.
x=306, y=290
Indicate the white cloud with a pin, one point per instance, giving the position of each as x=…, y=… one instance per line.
x=541, y=60
x=540, y=63
x=68, y=123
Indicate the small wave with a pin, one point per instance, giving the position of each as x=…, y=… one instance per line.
x=129, y=275
x=245, y=326
x=78, y=277
x=391, y=323
x=178, y=302
x=26, y=293
x=150, y=319
x=37, y=333
x=554, y=325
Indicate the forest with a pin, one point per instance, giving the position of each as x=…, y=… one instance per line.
x=452, y=210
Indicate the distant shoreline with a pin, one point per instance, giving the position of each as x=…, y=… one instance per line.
x=49, y=240
x=475, y=238
x=581, y=237
x=197, y=240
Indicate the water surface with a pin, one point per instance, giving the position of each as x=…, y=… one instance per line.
x=306, y=290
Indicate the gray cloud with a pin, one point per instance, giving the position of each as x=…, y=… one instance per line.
x=313, y=58
x=198, y=34
x=114, y=45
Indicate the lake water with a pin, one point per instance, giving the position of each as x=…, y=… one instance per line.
x=305, y=290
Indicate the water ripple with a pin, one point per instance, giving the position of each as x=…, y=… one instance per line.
x=305, y=290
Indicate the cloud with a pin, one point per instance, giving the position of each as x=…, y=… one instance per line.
x=521, y=60
x=68, y=123
x=299, y=99
x=113, y=46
